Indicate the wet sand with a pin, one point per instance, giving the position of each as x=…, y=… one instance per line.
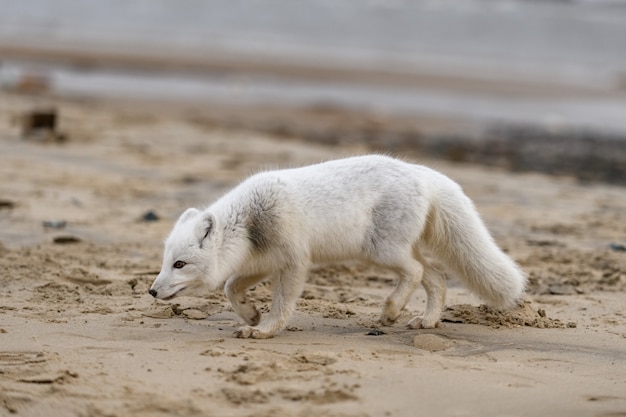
x=79, y=335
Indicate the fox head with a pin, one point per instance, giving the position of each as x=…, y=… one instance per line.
x=189, y=258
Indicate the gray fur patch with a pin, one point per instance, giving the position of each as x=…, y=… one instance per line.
x=388, y=220
x=377, y=232
x=262, y=224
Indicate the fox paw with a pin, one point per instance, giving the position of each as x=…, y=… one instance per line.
x=423, y=323
x=249, y=332
x=386, y=320
x=390, y=314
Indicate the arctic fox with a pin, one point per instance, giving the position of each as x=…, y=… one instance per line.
x=274, y=225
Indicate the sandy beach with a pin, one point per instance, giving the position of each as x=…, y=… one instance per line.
x=82, y=224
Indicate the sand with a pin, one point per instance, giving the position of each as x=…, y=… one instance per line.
x=80, y=336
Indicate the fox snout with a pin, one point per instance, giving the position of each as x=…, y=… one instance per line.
x=161, y=295
x=156, y=289
x=162, y=289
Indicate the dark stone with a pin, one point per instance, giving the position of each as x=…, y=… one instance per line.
x=150, y=216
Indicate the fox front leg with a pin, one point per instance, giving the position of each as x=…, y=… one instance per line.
x=287, y=288
x=235, y=290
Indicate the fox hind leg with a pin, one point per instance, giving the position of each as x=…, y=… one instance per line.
x=434, y=282
x=410, y=275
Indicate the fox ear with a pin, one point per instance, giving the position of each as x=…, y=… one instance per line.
x=204, y=227
x=187, y=215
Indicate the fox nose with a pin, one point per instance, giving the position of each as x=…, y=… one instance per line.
x=152, y=292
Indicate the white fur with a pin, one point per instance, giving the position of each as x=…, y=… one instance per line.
x=374, y=208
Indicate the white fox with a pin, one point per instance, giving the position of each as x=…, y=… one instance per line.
x=372, y=208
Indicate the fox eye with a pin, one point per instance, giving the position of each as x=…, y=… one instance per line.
x=179, y=264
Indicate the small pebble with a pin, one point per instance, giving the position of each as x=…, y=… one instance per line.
x=55, y=224
x=6, y=204
x=64, y=240
x=618, y=247
x=150, y=216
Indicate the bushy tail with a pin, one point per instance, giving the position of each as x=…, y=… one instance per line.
x=457, y=236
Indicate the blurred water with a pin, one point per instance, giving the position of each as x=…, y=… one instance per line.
x=581, y=44
x=599, y=114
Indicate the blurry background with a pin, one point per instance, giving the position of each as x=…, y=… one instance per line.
x=535, y=85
